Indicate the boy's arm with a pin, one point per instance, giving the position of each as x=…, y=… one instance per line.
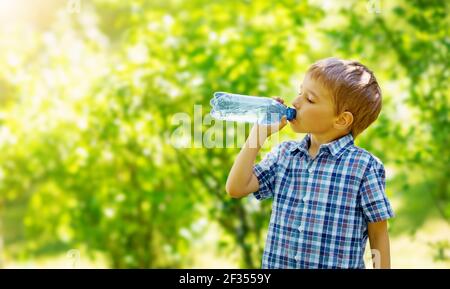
x=379, y=240
x=241, y=179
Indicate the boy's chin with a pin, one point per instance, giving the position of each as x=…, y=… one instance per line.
x=297, y=129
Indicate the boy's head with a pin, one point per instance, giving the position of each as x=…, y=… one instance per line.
x=337, y=97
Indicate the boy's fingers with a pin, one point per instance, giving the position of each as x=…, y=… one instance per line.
x=283, y=122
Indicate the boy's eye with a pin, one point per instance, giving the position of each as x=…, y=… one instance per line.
x=309, y=100
x=306, y=97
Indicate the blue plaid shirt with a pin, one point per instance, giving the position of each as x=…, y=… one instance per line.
x=321, y=206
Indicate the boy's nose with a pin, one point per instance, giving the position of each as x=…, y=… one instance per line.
x=296, y=104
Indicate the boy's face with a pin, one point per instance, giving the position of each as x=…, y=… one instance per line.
x=315, y=108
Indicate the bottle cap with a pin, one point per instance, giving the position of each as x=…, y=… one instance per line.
x=291, y=113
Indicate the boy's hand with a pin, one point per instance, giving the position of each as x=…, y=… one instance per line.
x=264, y=131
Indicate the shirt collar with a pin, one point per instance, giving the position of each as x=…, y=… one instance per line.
x=335, y=148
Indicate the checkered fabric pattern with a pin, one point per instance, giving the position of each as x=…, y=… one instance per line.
x=322, y=206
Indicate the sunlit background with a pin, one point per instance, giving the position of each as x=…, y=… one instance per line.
x=88, y=90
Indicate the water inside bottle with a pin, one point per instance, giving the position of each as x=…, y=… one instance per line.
x=244, y=108
x=236, y=111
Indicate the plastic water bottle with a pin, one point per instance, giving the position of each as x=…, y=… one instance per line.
x=245, y=108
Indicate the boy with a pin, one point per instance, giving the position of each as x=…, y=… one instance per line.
x=328, y=195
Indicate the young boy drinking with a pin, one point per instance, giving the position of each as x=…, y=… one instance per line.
x=328, y=194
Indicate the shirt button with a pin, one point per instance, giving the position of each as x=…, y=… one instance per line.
x=297, y=257
x=300, y=229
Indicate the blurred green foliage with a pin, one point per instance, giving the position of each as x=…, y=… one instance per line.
x=87, y=101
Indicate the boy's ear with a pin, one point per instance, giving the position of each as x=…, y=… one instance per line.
x=344, y=121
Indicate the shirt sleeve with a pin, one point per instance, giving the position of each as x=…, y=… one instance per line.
x=374, y=202
x=265, y=171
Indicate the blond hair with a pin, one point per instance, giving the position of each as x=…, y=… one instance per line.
x=353, y=87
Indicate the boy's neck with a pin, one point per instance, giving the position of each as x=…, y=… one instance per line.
x=316, y=140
